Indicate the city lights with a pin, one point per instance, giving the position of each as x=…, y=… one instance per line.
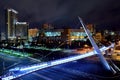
x=53, y=33
x=49, y=40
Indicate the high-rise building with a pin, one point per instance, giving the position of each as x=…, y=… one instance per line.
x=14, y=28
x=11, y=19
x=21, y=30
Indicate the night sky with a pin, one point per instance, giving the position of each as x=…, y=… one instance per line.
x=64, y=12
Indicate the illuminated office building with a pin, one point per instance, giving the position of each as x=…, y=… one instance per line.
x=33, y=32
x=21, y=30
x=14, y=28
x=11, y=19
x=68, y=35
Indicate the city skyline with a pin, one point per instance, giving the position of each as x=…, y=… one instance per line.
x=65, y=39
x=63, y=55
x=64, y=13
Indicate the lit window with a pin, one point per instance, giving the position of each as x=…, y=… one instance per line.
x=50, y=34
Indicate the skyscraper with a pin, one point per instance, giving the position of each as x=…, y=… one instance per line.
x=11, y=19
x=14, y=28
x=21, y=30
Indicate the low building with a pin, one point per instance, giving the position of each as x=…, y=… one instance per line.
x=98, y=36
x=63, y=36
x=33, y=32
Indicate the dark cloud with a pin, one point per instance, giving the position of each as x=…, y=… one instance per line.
x=65, y=11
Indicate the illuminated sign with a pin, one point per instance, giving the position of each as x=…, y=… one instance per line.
x=13, y=11
x=21, y=22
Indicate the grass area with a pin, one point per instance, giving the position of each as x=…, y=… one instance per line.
x=45, y=48
x=15, y=53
